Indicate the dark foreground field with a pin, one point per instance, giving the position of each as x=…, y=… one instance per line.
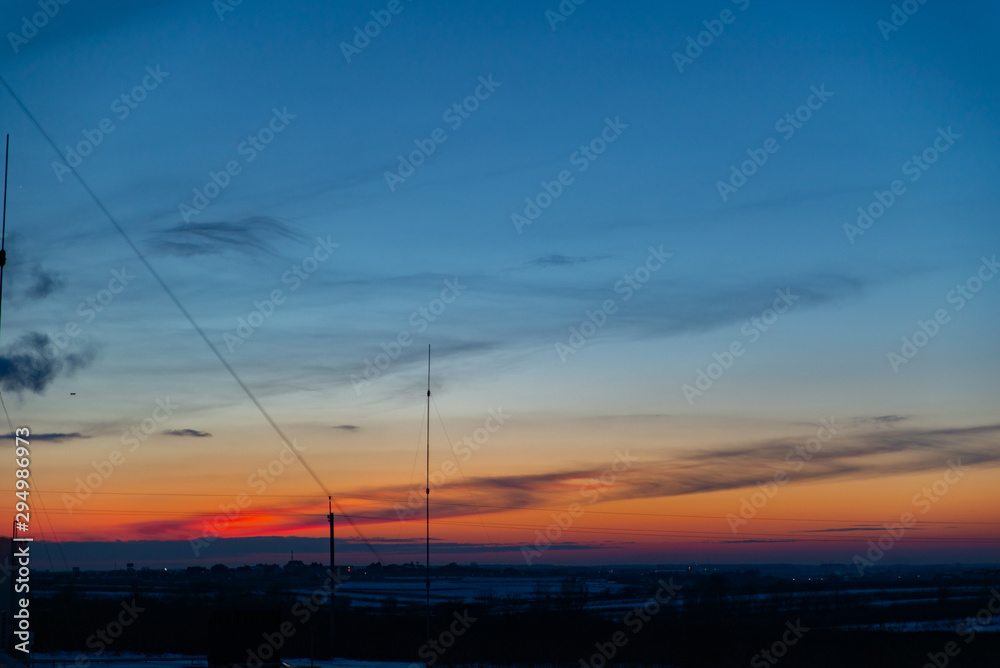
x=672, y=619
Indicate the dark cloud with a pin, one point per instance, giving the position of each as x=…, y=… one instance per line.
x=250, y=235
x=193, y=433
x=851, y=529
x=889, y=419
x=28, y=280
x=762, y=540
x=44, y=284
x=347, y=427
x=881, y=421
x=52, y=437
x=563, y=260
x=33, y=362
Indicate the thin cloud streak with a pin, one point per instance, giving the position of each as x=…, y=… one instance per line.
x=51, y=437
x=856, y=455
x=248, y=236
x=189, y=433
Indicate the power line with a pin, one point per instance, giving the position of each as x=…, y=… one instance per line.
x=534, y=508
x=577, y=529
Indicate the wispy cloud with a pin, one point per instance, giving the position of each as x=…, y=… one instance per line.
x=881, y=421
x=763, y=540
x=192, y=433
x=675, y=308
x=855, y=455
x=51, y=437
x=666, y=308
x=250, y=235
x=890, y=419
x=556, y=260
x=851, y=529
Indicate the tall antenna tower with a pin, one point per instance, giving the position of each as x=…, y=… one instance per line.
x=333, y=577
x=427, y=491
x=3, y=232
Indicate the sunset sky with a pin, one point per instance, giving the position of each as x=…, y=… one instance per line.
x=736, y=257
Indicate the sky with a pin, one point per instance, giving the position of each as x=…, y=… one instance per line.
x=710, y=282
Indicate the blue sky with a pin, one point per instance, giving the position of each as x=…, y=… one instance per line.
x=342, y=126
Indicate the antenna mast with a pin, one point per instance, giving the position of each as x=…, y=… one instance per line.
x=333, y=578
x=427, y=491
x=3, y=231
x=8, y=637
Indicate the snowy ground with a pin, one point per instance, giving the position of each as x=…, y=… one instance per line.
x=948, y=625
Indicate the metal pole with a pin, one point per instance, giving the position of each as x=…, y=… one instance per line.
x=8, y=641
x=3, y=230
x=333, y=578
x=427, y=489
